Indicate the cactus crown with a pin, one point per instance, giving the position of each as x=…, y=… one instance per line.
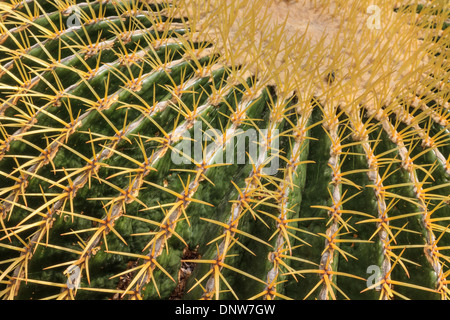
x=214, y=149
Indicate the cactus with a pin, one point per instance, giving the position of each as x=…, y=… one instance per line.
x=208, y=149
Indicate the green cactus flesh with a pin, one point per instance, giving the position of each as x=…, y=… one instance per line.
x=98, y=100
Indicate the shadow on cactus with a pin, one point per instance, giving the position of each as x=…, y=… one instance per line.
x=206, y=149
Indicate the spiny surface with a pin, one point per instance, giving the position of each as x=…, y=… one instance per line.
x=96, y=98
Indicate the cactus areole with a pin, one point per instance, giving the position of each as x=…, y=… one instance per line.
x=209, y=149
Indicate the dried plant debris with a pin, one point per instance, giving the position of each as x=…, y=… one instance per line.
x=185, y=272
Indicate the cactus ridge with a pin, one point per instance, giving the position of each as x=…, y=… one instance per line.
x=101, y=196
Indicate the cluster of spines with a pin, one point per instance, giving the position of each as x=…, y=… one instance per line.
x=82, y=175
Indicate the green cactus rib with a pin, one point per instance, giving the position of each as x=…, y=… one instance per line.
x=129, y=169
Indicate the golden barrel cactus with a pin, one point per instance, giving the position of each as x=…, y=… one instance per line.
x=221, y=149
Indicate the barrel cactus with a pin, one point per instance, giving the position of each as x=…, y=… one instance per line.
x=209, y=149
